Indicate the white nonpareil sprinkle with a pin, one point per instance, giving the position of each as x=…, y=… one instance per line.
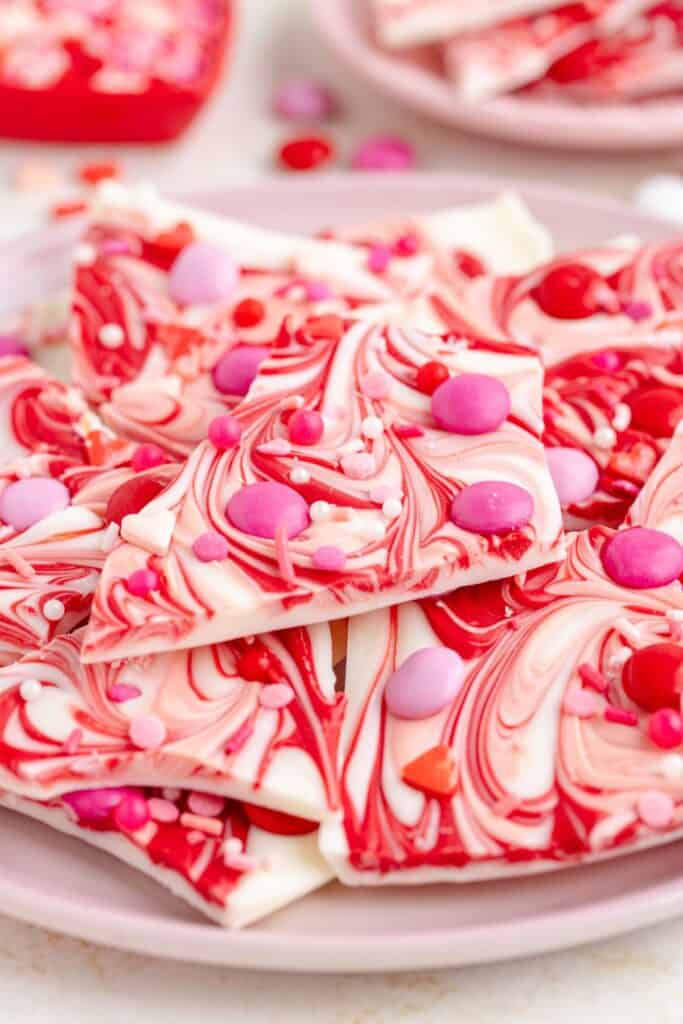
x=372, y=427
x=111, y=336
x=232, y=846
x=299, y=475
x=30, y=689
x=605, y=438
x=85, y=255
x=671, y=766
x=320, y=512
x=53, y=610
x=392, y=508
x=622, y=416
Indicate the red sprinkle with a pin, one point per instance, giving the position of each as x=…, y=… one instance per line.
x=591, y=677
x=248, y=313
x=94, y=173
x=407, y=430
x=69, y=209
x=620, y=715
x=237, y=741
x=468, y=264
x=306, y=153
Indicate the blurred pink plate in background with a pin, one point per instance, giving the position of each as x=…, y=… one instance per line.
x=655, y=124
x=53, y=881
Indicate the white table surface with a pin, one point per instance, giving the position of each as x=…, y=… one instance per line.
x=49, y=979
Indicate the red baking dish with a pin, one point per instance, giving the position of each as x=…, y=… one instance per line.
x=108, y=70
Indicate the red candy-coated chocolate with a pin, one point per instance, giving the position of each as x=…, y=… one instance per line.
x=278, y=823
x=248, y=313
x=653, y=677
x=657, y=411
x=132, y=496
x=256, y=664
x=430, y=376
x=468, y=263
x=569, y=292
x=306, y=153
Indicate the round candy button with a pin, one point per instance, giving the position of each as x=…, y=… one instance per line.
x=492, y=507
x=426, y=682
x=653, y=677
x=472, y=403
x=574, y=474
x=657, y=411
x=642, y=558
x=570, y=292
x=203, y=273
x=234, y=371
x=26, y=502
x=261, y=509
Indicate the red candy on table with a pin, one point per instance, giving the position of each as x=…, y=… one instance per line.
x=306, y=153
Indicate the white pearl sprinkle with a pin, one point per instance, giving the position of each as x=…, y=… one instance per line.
x=392, y=508
x=53, y=610
x=605, y=438
x=671, y=766
x=372, y=427
x=320, y=512
x=299, y=475
x=85, y=255
x=622, y=416
x=30, y=689
x=232, y=846
x=111, y=336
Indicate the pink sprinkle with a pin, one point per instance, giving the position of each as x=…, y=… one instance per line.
x=379, y=258
x=407, y=245
x=147, y=732
x=656, y=809
x=329, y=558
x=591, y=677
x=142, y=582
x=318, y=291
x=209, y=826
x=578, y=702
x=163, y=811
x=73, y=741
x=666, y=728
x=116, y=247
x=147, y=456
x=237, y=741
x=637, y=310
x=358, y=465
x=132, y=813
x=240, y=862
x=206, y=805
x=278, y=446
x=376, y=384
x=305, y=427
x=276, y=696
x=304, y=99
x=210, y=547
x=620, y=715
x=408, y=430
x=225, y=432
x=119, y=693
x=283, y=556
x=384, y=153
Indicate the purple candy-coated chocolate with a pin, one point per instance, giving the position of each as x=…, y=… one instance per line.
x=472, y=403
x=642, y=558
x=26, y=502
x=260, y=509
x=234, y=371
x=574, y=474
x=202, y=274
x=95, y=804
x=426, y=682
x=492, y=507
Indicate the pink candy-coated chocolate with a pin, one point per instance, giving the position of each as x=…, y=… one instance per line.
x=379, y=258
x=206, y=805
x=329, y=558
x=642, y=558
x=11, y=345
x=472, y=403
x=234, y=371
x=304, y=99
x=384, y=153
x=121, y=693
x=492, y=507
x=666, y=728
x=147, y=732
x=95, y=804
x=147, y=456
x=132, y=813
x=656, y=809
x=305, y=427
x=574, y=474
x=376, y=385
x=358, y=465
x=426, y=682
x=276, y=696
x=259, y=509
x=202, y=274
x=142, y=582
x=225, y=432
x=26, y=502
x=210, y=547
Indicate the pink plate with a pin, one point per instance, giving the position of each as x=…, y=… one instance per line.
x=50, y=880
x=656, y=124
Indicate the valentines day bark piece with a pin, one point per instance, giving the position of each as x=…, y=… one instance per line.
x=165, y=293
x=251, y=720
x=406, y=23
x=504, y=57
x=516, y=726
x=368, y=464
x=108, y=71
x=234, y=863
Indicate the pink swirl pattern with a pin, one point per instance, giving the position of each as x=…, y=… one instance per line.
x=552, y=762
x=392, y=553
